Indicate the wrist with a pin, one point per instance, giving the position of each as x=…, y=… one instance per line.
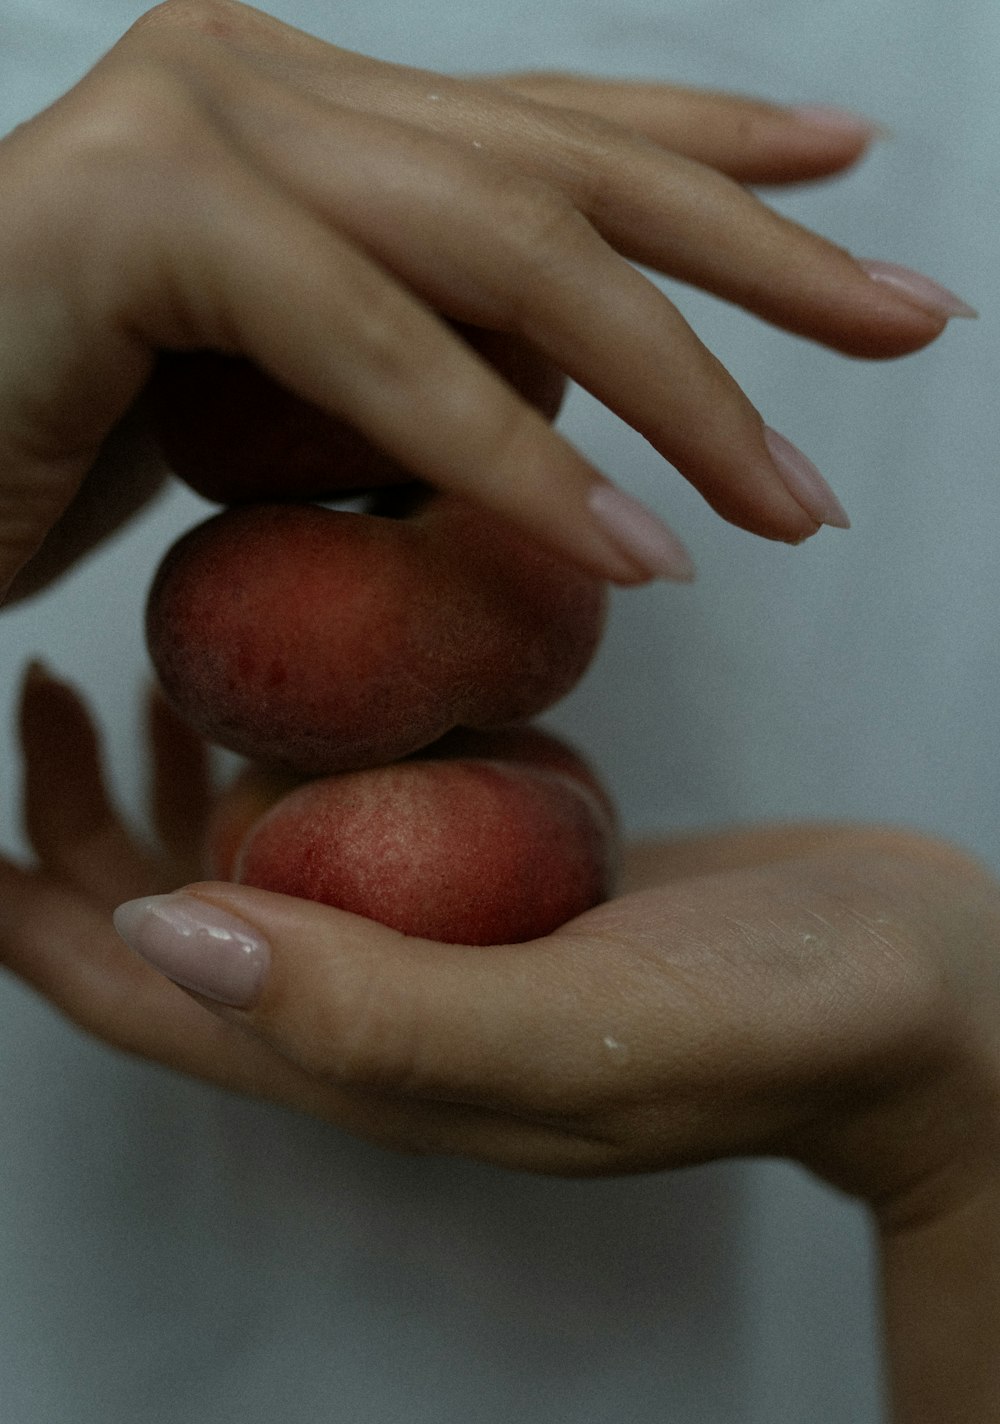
x=941, y=1309
x=908, y=1117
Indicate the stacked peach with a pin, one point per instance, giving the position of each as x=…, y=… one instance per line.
x=377, y=669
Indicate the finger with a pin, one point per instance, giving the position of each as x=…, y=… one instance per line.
x=63, y=945
x=742, y=988
x=180, y=790
x=314, y=313
x=69, y=818
x=715, y=1015
x=749, y=139
x=277, y=288
x=656, y=207
x=234, y=435
x=653, y=206
x=65, y=948
x=412, y=385
x=340, y=995
x=757, y=140
x=485, y=247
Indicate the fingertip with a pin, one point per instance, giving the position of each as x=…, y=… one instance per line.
x=197, y=944
x=879, y=311
x=800, y=143
x=897, y=311
x=804, y=482
x=838, y=122
x=41, y=686
x=650, y=546
x=918, y=290
x=37, y=677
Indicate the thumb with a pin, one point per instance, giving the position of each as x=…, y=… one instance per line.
x=796, y=1006
x=350, y=1000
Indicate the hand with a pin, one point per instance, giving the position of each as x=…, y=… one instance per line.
x=826, y=993
x=184, y=198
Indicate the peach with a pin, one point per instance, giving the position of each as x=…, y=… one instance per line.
x=234, y=435
x=325, y=641
x=490, y=839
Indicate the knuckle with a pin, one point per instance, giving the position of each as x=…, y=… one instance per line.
x=371, y=1043
x=383, y=338
x=214, y=19
x=588, y=152
x=542, y=228
x=137, y=114
x=133, y=148
x=916, y=911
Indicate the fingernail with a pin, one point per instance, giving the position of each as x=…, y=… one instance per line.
x=196, y=945
x=837, y=120
x=924, y=293
x=804, y=482
x=639, y=535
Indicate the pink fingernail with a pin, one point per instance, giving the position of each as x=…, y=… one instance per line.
x=197, y=945
x=924, y=293
x=837, y=120
x=804, y=482
x=639, y=535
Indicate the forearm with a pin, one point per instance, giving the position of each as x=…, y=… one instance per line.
x=941, y=1293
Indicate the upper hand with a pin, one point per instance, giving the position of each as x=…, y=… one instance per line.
x=222, y=182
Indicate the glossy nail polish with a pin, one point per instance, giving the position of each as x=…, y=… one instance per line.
x=804, y=482
x=197, y=945
x=919, y=290
x=833, y=119
x=637, y=534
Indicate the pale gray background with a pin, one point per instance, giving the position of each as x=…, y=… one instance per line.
x=170, y=1254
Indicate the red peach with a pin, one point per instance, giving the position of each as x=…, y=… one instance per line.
x=466, y=849
x=324, y=641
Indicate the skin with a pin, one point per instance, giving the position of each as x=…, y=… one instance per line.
x=128, y=237
x=236, y=437
x=873, y=1058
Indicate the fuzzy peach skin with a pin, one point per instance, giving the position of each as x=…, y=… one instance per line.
x=255, y=789
x=325, y=641
x=491, y=838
